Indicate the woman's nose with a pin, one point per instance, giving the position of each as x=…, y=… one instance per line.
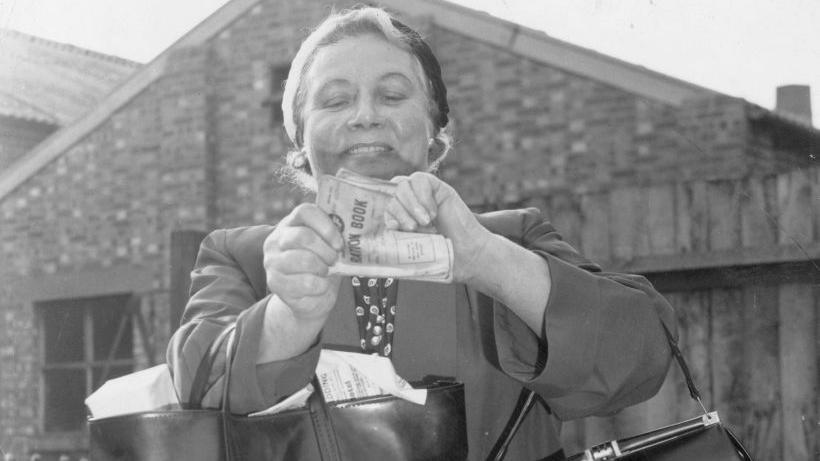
x=366, y=115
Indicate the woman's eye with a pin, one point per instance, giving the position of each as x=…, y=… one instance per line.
x=335, y=103
x=394, y=97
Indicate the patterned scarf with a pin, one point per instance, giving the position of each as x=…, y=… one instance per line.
x=375, y=300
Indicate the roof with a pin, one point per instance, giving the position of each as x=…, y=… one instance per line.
x=479, y=26
x=540, y=47
x=790, y=133
x=12, y=106
x=59, y=80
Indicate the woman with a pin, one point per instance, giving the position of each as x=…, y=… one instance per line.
x=365, y=93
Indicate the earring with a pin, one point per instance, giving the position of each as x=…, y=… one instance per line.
x=299, y=160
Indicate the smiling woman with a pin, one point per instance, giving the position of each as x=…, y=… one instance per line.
x=366, y=109
x=365, y=93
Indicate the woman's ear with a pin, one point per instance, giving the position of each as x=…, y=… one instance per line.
x=298, y=160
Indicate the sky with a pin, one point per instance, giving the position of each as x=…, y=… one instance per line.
x=743, y=48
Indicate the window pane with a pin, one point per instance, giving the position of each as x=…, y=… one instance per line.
x=278, y=75
x=64, y=399
x=114, y=372
x=63, y=333
x=107, y=314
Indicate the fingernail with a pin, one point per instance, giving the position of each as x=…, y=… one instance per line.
x=391, y=223
x=425, y=218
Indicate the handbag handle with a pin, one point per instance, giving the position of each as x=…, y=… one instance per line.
x=690, y=382
x=199, y=386
x=317, y=406
x=527, y=399
x=225, y=405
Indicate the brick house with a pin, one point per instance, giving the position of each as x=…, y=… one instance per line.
x=45, y=85
x=624, y=160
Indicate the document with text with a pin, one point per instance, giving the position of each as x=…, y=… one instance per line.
x=356, y=204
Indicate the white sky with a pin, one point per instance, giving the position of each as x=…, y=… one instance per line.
x=743, y=48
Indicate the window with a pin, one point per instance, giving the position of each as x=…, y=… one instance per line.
x=85, y=341
x=278, y=75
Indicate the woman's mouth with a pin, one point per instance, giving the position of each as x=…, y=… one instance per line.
x=375, y=159
x=368, y=149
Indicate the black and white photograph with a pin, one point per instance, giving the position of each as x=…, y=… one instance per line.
x=409, y=230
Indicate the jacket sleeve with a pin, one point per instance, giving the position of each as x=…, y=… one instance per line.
x=602, y=346
x=222, y=294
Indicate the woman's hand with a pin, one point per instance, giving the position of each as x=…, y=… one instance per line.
x=297, y=255
x=487, y=262
x=422, y=199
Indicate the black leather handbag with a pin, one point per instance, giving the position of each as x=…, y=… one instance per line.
x=374, y=428
x=703, y=438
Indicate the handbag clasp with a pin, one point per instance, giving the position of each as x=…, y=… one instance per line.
x=710, y=419
x=604, y=451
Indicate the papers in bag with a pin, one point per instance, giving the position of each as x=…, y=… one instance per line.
x=145, y=390
x=342, y=375
x=356, y=204
x=350, y=375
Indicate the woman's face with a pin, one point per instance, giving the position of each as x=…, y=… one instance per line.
x=366, y=109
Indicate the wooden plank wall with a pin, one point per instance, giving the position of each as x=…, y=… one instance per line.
x=752, y=346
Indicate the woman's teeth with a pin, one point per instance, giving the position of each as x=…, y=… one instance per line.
x=358, y=150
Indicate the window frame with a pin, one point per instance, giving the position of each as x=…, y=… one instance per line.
x=277, y=75
x=89, y=364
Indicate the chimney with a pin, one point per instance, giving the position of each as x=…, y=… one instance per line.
x=794, y=100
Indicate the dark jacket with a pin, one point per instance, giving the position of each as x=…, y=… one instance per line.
x=604, y=348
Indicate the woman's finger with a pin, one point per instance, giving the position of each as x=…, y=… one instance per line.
x=310, y=215
x=299, y=261
x=299, y=286
x=305, y=238
x=397, y=217
x=406, y=196
x=422, y=185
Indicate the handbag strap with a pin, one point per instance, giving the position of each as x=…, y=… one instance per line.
x=199, y=386
x=322, y=424
x=527, y=398
x=317, y=406
x=690, y=382
x=230, y=350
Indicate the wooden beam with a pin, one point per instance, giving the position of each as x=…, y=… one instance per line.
x=145, y=337
x=112, y=353
x=733, y=276
x=595, y=226
x=81, y=284
x=763, y=427
x=751, y=256
x=729, y=375
x=184, y=249
x=798, y=373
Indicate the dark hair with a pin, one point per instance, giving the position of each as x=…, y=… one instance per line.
x=432, y=70
x=352, y=23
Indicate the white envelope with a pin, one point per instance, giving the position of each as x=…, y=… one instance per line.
x=145, y=390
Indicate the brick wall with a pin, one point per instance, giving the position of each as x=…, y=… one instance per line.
x=196, y=151
x=18, y=404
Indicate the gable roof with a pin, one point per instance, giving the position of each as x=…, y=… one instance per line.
x=63, y=81
x=14, y=107
x=479, y=26
x=540, y=47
